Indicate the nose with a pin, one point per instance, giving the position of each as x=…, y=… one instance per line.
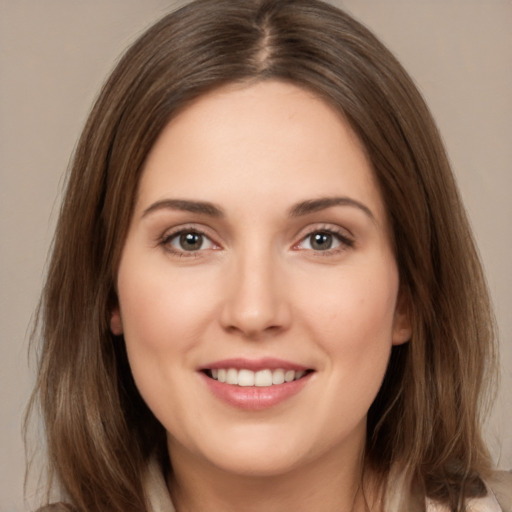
x=256, y=301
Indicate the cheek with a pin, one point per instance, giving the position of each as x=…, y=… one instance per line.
x=349, y=314
x=161, y=310
x=351, y=317
x=164, y=315
x=353, y=302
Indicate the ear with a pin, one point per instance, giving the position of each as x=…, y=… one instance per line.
x=402, y=325
x=116, y=325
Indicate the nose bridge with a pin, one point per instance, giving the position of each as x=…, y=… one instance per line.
x=256, y=301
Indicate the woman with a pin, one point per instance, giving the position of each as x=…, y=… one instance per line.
x=263, y=290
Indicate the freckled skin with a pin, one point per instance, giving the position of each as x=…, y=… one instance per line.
x=257, y=288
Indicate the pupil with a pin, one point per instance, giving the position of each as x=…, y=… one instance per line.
x=191, y=241
x=321, y=241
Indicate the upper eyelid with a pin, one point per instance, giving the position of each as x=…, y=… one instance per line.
x=183, y=228
x=169, y=235
x=344, y=236
x=326, y=227
x=342, y=232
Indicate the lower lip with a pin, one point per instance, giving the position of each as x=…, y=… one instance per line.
x=255, y=398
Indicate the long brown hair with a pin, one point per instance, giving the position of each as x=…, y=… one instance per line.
x=426, y=417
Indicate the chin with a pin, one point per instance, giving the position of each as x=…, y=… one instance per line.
x=259, y=464
x=252, y=452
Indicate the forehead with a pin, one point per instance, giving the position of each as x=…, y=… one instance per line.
x=271, y=140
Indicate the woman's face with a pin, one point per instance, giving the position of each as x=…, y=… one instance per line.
x=257, y=285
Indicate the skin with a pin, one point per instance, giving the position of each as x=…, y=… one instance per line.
x=257, y=287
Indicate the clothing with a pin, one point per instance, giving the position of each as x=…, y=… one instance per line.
x=499, y=498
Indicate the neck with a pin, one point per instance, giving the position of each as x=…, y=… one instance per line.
x=331, y=485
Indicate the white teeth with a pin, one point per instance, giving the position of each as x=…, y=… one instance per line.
x=289, y=376
x=232, y=376
x=245, y=378
x=261, y=378
x=277, y=376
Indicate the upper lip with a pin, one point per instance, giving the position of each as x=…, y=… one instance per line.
x=265, y=363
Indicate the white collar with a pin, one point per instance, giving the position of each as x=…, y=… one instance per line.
x=159, y=499
x=156, y=490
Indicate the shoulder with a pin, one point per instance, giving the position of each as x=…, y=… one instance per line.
x=500, y=483
x=498, y=499
x=156, y=489
x=56, y=507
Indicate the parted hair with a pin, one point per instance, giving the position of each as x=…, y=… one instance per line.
x=427, y=415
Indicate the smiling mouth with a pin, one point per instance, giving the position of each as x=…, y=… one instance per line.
x=260, y=378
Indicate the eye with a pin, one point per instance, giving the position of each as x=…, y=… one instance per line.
x=323, y=241
x=188, y=241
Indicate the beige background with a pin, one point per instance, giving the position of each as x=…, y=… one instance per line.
x=54, y=54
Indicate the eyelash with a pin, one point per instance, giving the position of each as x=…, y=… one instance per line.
x=167, y=238
x=344, y=241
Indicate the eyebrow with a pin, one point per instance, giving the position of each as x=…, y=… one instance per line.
x=303, y=208
x=315, y=205
x=185, y=205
